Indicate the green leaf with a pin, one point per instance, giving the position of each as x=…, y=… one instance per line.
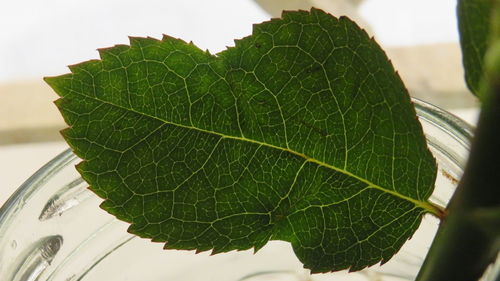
x=474, y=27
x=301, y=132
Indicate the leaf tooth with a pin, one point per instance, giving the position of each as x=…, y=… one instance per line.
x=286, y=13
x=59, y=102
x=74, y=67
x=175, y=42
x=199, y=250
x=171, y=245
x=53, y=82
x=106, y=204
x=111, y=208
x=157, y=239
x=354, y=268
x=318, y=10
x=236, y=43
x=103, y=52
x=257, y=248
x=134, y=41
x=77, y=66
x=59, y=85
x=258, y=26
x=138, y=41
x=383, y=261
x=166, y=37
x=166, y=246
x=65, y=134
x=346, y=20
x=80, y=167
x=134, y=229
x=216, y=251
x=313, y=271
x=152, y=38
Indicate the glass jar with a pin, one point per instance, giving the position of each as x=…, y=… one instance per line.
x=53, y=229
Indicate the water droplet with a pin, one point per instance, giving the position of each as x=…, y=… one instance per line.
x=13, y=244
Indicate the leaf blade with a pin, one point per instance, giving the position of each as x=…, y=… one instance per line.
x=474, y=25
x=221, y=152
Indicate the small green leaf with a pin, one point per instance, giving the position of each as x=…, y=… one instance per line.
x=474, y=17
x=301, y=132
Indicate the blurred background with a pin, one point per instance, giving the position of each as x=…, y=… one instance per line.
x=40, y=38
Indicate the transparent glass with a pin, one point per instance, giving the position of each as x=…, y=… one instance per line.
x=52, y=229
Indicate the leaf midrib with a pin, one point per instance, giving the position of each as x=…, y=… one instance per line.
x=425, y=205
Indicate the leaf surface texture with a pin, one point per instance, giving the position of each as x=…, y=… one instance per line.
x=301, y=132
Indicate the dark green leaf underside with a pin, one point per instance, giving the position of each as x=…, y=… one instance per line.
x=301, y=132
x=474, y=26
